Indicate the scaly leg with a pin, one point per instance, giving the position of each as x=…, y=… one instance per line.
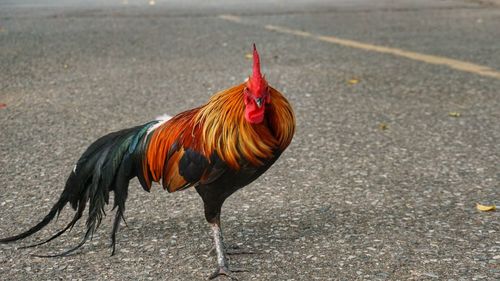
x=223, y=267
x=232, y=250
x=219, y=249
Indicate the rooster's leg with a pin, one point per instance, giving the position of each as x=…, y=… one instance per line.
x=222, y=264
x=219, y=249
x=233, y=250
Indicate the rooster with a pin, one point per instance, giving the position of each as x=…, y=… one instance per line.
x=217, y=148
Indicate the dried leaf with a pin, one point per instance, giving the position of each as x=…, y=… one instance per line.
x=353, y=81
x=3, y=105
x=454, y=114
x=383, y=126
x=485, y=208
x=249, y=56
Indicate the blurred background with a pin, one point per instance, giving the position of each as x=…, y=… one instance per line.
x=398, y=112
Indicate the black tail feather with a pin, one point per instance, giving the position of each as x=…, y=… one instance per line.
x=107, y=165
x=46, y=220
x=68, y=252
x=116, y=223
x=121, y=193
x=69, y=226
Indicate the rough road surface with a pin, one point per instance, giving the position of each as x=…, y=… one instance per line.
x=381, y=181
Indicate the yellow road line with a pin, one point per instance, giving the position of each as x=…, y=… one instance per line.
x=230, y=18
x=431, y=59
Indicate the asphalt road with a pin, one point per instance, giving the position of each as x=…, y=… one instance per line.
x=381, y=181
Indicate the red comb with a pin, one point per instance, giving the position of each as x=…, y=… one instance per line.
x=256, y=64
x=256, y=82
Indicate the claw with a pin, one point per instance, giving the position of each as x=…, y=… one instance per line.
x=224, y=271
x=221, y=271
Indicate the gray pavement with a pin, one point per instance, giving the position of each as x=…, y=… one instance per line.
x=380, y=182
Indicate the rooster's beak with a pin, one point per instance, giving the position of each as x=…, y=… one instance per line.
x=258, y=101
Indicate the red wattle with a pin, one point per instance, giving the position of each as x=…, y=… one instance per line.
x=253, y=113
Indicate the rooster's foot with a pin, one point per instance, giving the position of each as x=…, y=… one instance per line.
x=224, y=271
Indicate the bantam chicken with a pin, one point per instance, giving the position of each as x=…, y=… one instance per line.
x=218, y=148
